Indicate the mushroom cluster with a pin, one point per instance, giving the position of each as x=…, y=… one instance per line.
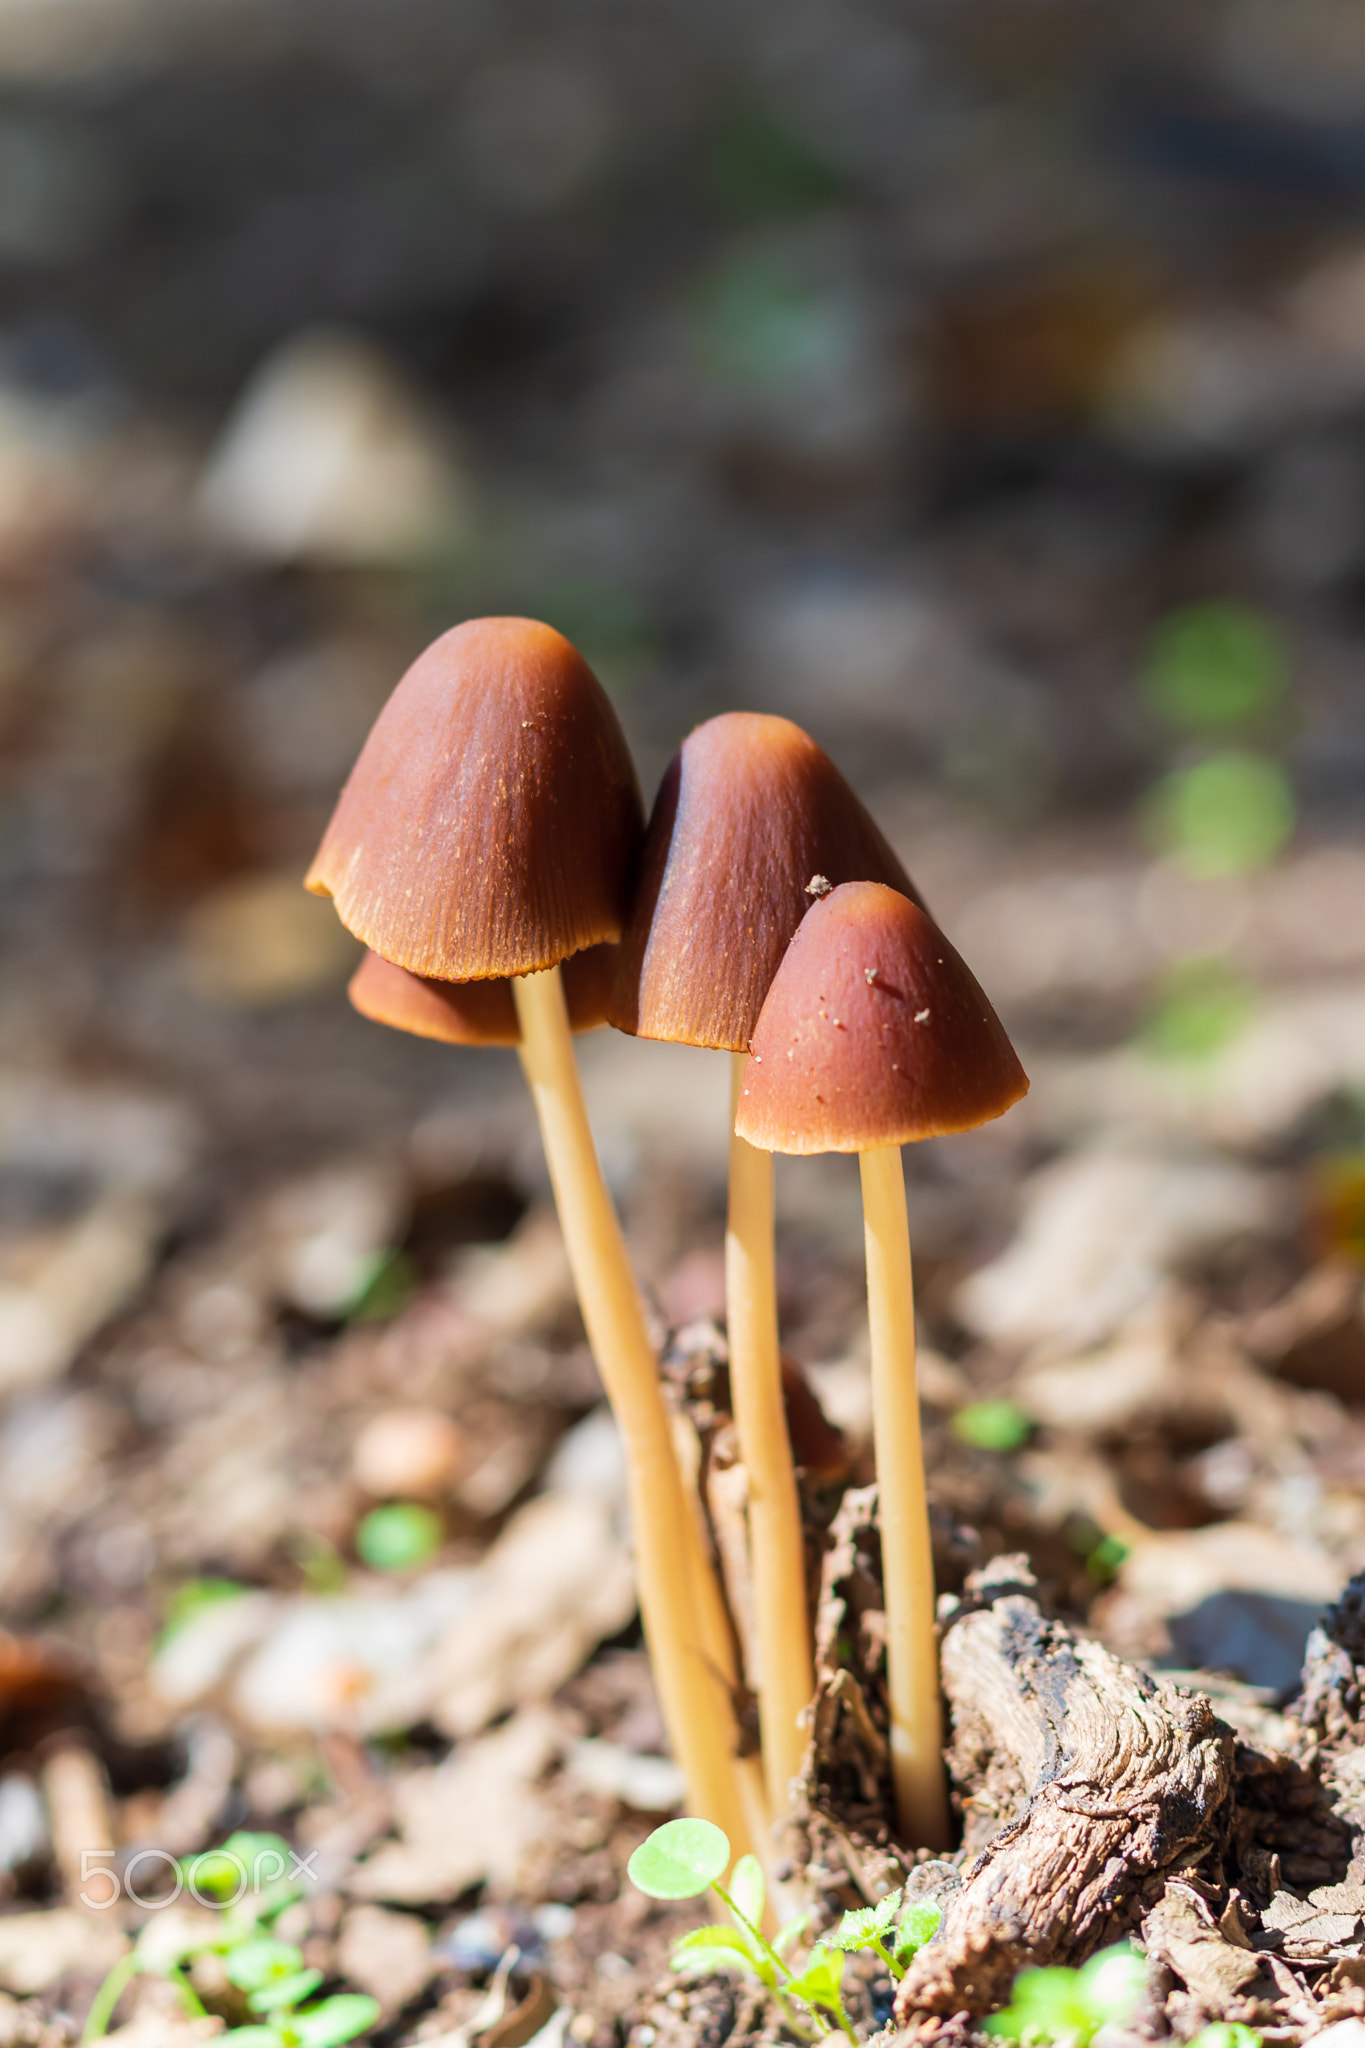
x=490, y=849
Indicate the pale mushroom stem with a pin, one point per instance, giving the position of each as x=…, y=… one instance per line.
x=785, y=1680
x=668, y=1559
x=912, y=1678
x=718, y=1647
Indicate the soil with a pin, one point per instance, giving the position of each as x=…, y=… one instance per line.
x=1098, y=1799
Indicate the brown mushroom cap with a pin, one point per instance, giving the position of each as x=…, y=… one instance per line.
x=875, y=1032
x=492, y=821
x=749, y=814
x=473, y=1012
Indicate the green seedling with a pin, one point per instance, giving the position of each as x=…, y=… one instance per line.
x=1227, y=2034
x=190, y=1600
x=1202, y=1006
x=891, y=1929
x=685, y=1858
x=248, y=1880
x=1067, y=2008
x=1215, y=666
x=386, y=1284
x=760, y=170
x=323, y=1567
x=399, y=1537
x=1102, y=1551
x=993, y=1425
x=1225, y=815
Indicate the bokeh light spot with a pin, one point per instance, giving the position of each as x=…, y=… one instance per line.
x=1224, y=815
x=1211, y=666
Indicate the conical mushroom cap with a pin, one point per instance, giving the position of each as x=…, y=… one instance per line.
x=473, y=1012
x=875, y=1032
x=492, y=821
x=750, y=812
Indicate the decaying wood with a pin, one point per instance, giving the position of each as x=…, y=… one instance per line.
x=1330, y=1711
x=1086, y=1783
x=1097, y=1803
x=841, y=1836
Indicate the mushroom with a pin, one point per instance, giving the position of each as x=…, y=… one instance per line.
x=751, y=822
x=875, y=1034
x=490, y=829
x=473, y=1012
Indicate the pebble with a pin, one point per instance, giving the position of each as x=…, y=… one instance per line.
x=407, y=1453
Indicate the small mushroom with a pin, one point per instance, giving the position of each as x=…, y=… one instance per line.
x=751, y=822
x=489, y=829
x=492, y=822
x=847, y=1061
x=473, y=1012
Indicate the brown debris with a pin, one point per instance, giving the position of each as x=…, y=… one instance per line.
x=1225, y=1979
x=1328, y=1710
x=1086, y=1783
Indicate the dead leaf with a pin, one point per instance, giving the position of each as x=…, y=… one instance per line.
x=557, y=1581
x=1100, y=1231
x=1315, y=1336
x=1327, y=1922
x=387, y=1954
x=1181, y=1932
x=524, y=2022
x=36, y=1949
x=468, y=1820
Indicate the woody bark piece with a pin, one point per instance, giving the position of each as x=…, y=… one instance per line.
x=848, y=1776
x=1328, y=1706
x=1328, y=1711
x=1084, y=1784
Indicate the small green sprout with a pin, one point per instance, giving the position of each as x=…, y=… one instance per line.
x=993, y=1425
x=1225, y=815
x=685, y=1858
x=1068, y=2007
x=399, y=1537
x=271, y=1973
x=190, y=1600
x=1201, y=1006
x=249, y=1882
x=1213, y=666
x=1104, y=1560
x=386, y=1284
x=1226, y=2034
x=891, y=1929
x=325, y=2025
x=761, y=170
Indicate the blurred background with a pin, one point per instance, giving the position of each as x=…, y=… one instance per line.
x=982, y=386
